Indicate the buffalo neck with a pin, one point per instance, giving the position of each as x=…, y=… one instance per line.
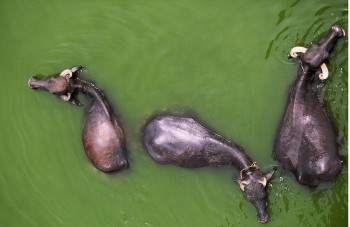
x=96, y=95
x=239, y=158
x=302, y=80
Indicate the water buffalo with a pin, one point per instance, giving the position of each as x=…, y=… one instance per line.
x=306, y=141
x=103, y=138
x=186, y=143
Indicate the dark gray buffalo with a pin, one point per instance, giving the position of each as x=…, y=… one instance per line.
x=186, y=143
x=306, y=141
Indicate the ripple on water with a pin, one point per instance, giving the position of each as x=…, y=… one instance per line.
x=292, y=31
x=46, y=176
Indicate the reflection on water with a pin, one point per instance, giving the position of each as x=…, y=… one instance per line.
x=226, y=61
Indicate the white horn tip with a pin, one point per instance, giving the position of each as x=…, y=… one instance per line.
x=295, y=50
x=66, y=97
x=242, y=187
x=243, y=184
x=324, y=74
x=322, y=77
x=67, y=72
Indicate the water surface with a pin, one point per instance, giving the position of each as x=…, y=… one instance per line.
x=224, y=60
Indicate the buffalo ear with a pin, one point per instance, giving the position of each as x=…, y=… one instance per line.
x=237, y=180
x=269, y=175
x=241, y=183
x=74, y=99
x=76, y=70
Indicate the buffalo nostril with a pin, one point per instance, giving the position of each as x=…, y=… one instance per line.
x=121, y=164
x=339, y=30
x=127, y=164
x=264, y=219
x=124, y=163
x=112, y=166
x=29, y=81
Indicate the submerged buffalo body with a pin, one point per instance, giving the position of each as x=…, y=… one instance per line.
x=306, y=141
x=186, y=143
x=103, y=137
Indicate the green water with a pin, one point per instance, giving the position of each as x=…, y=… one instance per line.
x=224, y=60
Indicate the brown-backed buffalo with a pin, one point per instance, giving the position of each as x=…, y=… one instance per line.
x=103, y=138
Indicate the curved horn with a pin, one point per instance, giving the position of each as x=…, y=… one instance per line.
x=66, y=73
x=263, y=182
x=295, y=50
x=243, y=184
x=325, y=73
x=66, y=97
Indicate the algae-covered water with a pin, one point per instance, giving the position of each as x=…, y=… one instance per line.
x=224, y=60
